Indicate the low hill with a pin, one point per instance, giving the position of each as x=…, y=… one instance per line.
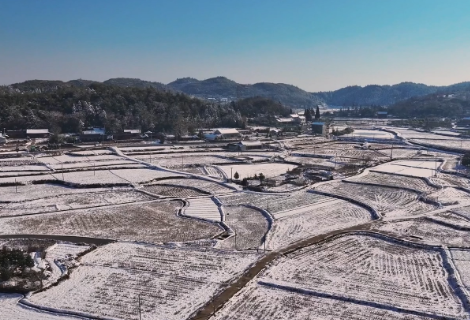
x=221, y=87
x=72, y=106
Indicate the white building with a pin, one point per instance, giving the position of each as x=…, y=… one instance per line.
x=3, y=139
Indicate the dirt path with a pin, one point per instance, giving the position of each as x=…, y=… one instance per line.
x=226, y=294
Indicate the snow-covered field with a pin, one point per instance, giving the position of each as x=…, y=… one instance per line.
x=203, y=208
x=372, y=270
x=11, y=310
x=71, y=201
x=204, y=185
x=370, y=134
x=153, y=222
x=425, y=231
x=417, y=168
x=390, y=202
x=249, y=170
x=256, y=301
x=171, y=282
x=395, y=180
x=315, y=220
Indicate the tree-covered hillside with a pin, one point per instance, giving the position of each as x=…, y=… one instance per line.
x=65, y=107
x=434, y=105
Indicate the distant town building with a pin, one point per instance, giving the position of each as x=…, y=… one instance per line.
x=245, y=145
x=229, y=133
x=37, y=133
x=382, y=114
x=93, y=135
x=318, y=128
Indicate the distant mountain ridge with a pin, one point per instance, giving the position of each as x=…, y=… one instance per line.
x=289, y=95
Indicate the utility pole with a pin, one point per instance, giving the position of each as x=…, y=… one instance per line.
x=235, y=241
x=391, y=153
x=140, y=314
x=16, y=185
x=231, y=179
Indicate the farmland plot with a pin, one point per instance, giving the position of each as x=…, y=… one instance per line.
x=425, y=231
x=463, y=212
x=248, y=170
x=33, y=192
x=452, y=219
x=279, y=205
x=387, y=201
x=372, y=270
x=72, y=201
x=203, y=208
x=450, y=195
x=142, y=175
x=172, y=282
x=315, y=220
x=258, y=301
x=399, y=152
x=95, y=177
x=445, y=179
x=461, y=259
x=249, y=225
x=394, y=167
x=204, y=185
x=153, y=222
x=27, y=179
x=456, y=143
x=173, y=191
x=176, y=162
x=394, y=180
x=11, y=310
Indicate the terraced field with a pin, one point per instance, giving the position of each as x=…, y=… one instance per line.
x=390, y=202
x=425, y=231
x=258, y=300
x=203, y=208
x=72, y=201
x=372, y=270
x=205, y=185
x=153, y=222
x=315, y=220
x=173, y=191
x=278, y=205
x=170, y=282
x=395, y=180
x=445, y=179
x=249, y=225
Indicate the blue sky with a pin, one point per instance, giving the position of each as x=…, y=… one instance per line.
x=315, y=45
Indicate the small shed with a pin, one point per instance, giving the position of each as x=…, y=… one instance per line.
x=3, y=139
x=318, y=128
x=245, y=145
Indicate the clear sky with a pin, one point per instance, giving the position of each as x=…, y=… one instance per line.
x=313, y=44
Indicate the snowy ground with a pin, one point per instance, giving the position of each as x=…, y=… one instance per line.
x=171, y=282
x=249, y=170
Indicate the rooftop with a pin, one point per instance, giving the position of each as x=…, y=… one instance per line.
x=37, y=131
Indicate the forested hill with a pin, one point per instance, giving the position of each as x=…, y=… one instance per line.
x=384, y=95
x=72, y=106
x=434, y=105
x=221, y=87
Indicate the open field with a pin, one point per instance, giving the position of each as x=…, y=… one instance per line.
x=425, y=231
x=257, y=301
x=395, y=181
x=153, y=222
x=11, y=310
x=249, y=170
x=372, y=270
x=315, y=220
x=173, y=191
x=171, y=283
x=387, y=201
x=461, y=259
x=71, y=201
x=249, y=225
x=201, y=184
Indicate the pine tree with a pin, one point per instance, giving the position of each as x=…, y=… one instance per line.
x=317, y=113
